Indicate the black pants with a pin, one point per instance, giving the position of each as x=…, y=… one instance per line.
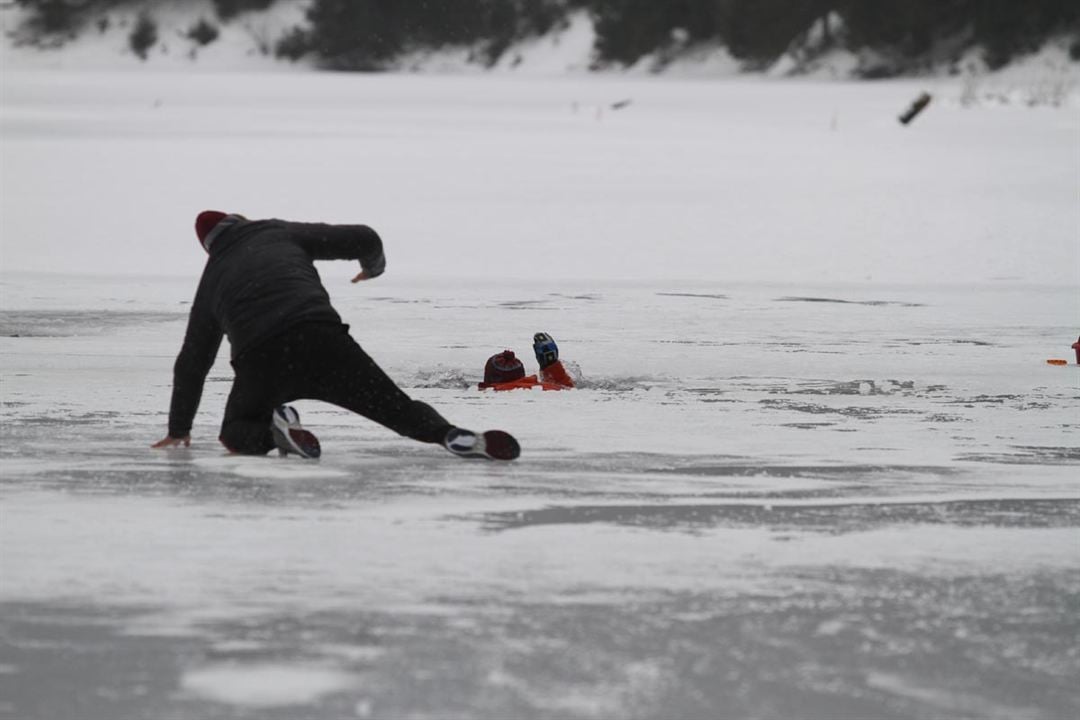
x=317, y=362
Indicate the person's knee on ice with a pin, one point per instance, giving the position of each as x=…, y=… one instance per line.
x=247, y=437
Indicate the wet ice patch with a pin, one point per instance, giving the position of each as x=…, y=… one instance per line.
x=269, y=467
x=588, y=297
x=870, y=303
x=400, y=301
x=805, y=516
x=859, y=387
x=948, y=341
x=1028, y=456
x=937, y=548
x=707, y=296
x=266, y=685
x=70, y=323
x=864, y=387
x=446, y=378
x=623, y=384
x=854, y=411
x=522, y=304
x=954, y=701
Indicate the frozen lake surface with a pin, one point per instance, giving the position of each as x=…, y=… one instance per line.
x=764, y=501
x=818, y=465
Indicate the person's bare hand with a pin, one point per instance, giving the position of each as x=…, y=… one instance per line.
x=167, y=442
x=361, y=276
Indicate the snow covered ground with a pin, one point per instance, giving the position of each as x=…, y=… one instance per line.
x=818, y=466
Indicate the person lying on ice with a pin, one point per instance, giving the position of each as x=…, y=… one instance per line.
x=505, y=372
x=260, y=288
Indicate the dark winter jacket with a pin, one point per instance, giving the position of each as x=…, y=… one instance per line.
x=259, y=281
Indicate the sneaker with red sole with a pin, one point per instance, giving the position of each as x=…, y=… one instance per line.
x=493, y=444
x=290, y=437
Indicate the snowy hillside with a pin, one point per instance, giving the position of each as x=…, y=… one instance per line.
x=244, y=43
x=247, y=43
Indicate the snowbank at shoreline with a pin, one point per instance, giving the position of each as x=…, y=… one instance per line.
x=246, y=44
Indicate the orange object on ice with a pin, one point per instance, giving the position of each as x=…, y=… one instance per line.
x=505, y=372
x=553, y=377
x=555, y=374
x=1057, y=361
x=526, y=383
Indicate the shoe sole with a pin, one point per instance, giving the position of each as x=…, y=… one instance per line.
x=499, y=445
x=493, y=445
x=299, y=442
x=294, y=440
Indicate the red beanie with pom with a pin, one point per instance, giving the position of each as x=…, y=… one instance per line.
x=206, y=222
x=502, y=368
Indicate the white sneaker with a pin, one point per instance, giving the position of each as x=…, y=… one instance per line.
x=493, y=444
x=290, y=437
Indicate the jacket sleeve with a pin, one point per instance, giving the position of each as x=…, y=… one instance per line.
x=201, y=343
x=342, y=242
x=556, y=373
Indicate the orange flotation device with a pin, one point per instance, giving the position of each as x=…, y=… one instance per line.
x=526, y=383
x=505, y=372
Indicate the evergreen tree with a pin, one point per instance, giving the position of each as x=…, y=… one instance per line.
x=355, y=34
x=366, y=34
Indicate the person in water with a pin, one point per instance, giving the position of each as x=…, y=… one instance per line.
x=505, y=372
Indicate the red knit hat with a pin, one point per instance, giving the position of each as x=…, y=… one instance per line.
x=207, y=221
x=502, y=368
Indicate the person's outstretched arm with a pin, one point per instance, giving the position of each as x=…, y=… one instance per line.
x=201, y=343
x=342, y=242
x=547, y=355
